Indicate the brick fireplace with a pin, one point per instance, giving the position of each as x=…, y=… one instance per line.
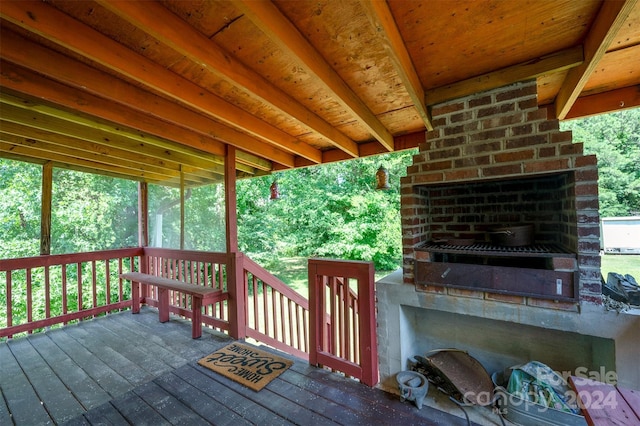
x=495, y=158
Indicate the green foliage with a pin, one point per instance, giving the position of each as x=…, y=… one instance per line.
x=615, y=140
x=91, y=212
x=19, y=209
x=331, y=210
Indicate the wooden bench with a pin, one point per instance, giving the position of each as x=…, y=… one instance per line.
x=606, y=405
x=201, y=296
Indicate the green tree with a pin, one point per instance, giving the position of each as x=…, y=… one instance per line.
x=615, y=140
x=331, y=210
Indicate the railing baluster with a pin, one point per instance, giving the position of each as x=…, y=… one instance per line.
x=79, y=277
x=9, y=301
x=63, y=276
x=107, y=273
x=120, y=280
x=94, y=284
x=29, y=298
x=290, y=322
x=348, y=325
x=256, y=315
x=47, y=293
x=265, y=309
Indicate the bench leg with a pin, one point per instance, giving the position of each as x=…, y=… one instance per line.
x=135, y=297
x=196, y=317
x=163, y=304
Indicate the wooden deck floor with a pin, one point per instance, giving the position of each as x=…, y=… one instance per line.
x=131, y=369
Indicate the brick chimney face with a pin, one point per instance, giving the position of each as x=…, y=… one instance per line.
x=495, y=138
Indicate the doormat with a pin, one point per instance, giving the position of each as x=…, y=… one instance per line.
x=246, y=364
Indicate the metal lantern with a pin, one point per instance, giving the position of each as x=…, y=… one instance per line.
x=382, y=178
x=275, y=191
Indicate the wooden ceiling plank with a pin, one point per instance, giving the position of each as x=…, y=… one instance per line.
x=140, y=140
x=171, y=120
x=73, y=150
x=53, y=142
x=96, y=151
x=60, y=126
x=552, y=63
x=602, y=33
x=57, y=27
x=26, y=151
x=169, y=29
x=29, y=83
x=266, y=16
x=382, y=20
x=606, y=102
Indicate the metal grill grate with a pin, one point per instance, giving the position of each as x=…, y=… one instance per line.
x=487, y=249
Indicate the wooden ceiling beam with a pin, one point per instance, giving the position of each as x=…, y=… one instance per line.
x=536, y=67
x=74, y=163
x=603, y=31
x=48, y=22
x=103, y=153
x=266, y=16
x=382, y=20
x=171, y=119
x=169, y=29
x=72, y=150
x=138, y=142
x=55, y=124
x=86, y=149
x=606, y=102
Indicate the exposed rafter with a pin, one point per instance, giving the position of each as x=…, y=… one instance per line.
x=270, y=20
x=169, y=29
x=608, y=22
x=380, y=16
x=602, y=103
x=61, y=29
x=174, y=118
x=555, y=62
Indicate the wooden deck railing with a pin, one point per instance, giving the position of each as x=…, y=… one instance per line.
x=347, y=342
x=276, y=314
x=335, y=328
x=57, y=289
x=207, y=269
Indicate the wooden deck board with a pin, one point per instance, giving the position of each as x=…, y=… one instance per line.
x=56, y=397
x=170, y=408
x=199, y=401
x=132, y=369
x=109, y=379
x=83, y=387
x=137, y=411
x=247, y=409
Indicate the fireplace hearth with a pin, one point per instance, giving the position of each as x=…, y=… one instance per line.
x=495, y=159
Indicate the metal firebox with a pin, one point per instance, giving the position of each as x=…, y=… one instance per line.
x=541, y=270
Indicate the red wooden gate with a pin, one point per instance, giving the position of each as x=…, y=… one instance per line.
x=342, y=319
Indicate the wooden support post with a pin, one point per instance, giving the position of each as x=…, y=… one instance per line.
x=235, y=269
x=231, y=214
x=143, y=214
x=237, y=296
x=142, y=290
x=45, y=214
x=182, y=200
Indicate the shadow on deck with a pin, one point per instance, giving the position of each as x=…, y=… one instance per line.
x=131, y=369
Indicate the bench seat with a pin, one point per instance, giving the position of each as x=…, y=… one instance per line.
x=604, y=404
x=201, y=296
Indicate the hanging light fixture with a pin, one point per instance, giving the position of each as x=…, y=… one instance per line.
x=275, y=191
x=382, y=178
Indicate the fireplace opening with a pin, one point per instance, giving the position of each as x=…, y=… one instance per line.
x=458, y=252
x=469, y=210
